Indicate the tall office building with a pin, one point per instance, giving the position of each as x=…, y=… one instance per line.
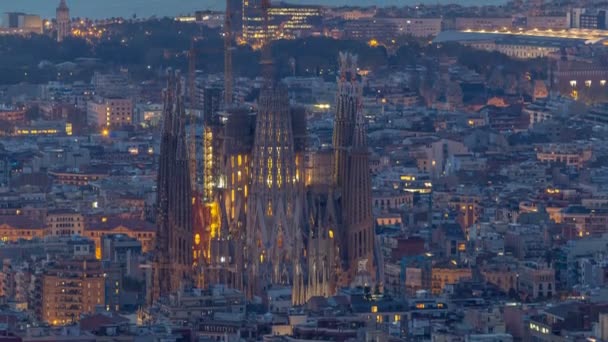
x=285, y=21
x=173, y=253
x=63, y=21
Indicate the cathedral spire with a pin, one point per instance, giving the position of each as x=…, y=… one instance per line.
x=63, y=21
x=360, y=130
x=347, y=104
x=173, y=252
x=351, y=172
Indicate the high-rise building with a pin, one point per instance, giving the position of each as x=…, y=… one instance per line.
x=285, y=21
x=173, y=254
x=63, y=21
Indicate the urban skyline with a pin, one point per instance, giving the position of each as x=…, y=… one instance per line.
x=161, y=8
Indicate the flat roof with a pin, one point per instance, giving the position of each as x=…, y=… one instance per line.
x=529, y=37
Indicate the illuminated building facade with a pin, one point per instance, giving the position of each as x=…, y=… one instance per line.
x=110, y=112
x=319, y=167
x=19, y=227
x=20, y=23
x=70, y=289
x=442, y=276
x=372, y=30
x=284, y=21
x=226, y=263
x=173, y=252
x=98, y=227
x=12, y=115
x=274, y=216
x=81, y=178
x=63, y=21
x=575, y=77
x=64, y=223
x=212, y=98
x=569, y=154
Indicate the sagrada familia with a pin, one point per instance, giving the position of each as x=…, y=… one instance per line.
x=257, y=224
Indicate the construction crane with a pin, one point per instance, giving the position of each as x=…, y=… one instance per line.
x=228, y=77
x=193, y=105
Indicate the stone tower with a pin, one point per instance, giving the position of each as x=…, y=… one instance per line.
x=173, y=253
x=274, y=204
x=357, y=203
x=63, y=21
x=352, y=179
x=274, y=248
x=346, y=109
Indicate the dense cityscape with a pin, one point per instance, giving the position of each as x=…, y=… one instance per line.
x=282, y=172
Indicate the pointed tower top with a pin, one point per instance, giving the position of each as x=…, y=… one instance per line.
x=360, y=132
x=266, y=61
x=348, y=66
x=62, y=6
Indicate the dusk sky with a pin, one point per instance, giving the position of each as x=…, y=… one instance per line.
x=146, y=8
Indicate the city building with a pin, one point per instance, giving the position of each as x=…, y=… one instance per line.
x=15, y=115
x=285, y=21
x=587, y=18
x=64, y=223
x=442, y=276
x=536, y=280
x=110, y=112
x=522, y=44
x=70, y=289
x=21, y=23
x=63, y=21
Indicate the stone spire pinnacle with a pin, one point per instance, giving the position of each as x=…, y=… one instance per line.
x=173, y=252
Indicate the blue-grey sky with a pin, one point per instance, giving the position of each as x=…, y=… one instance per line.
x=146, y=8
